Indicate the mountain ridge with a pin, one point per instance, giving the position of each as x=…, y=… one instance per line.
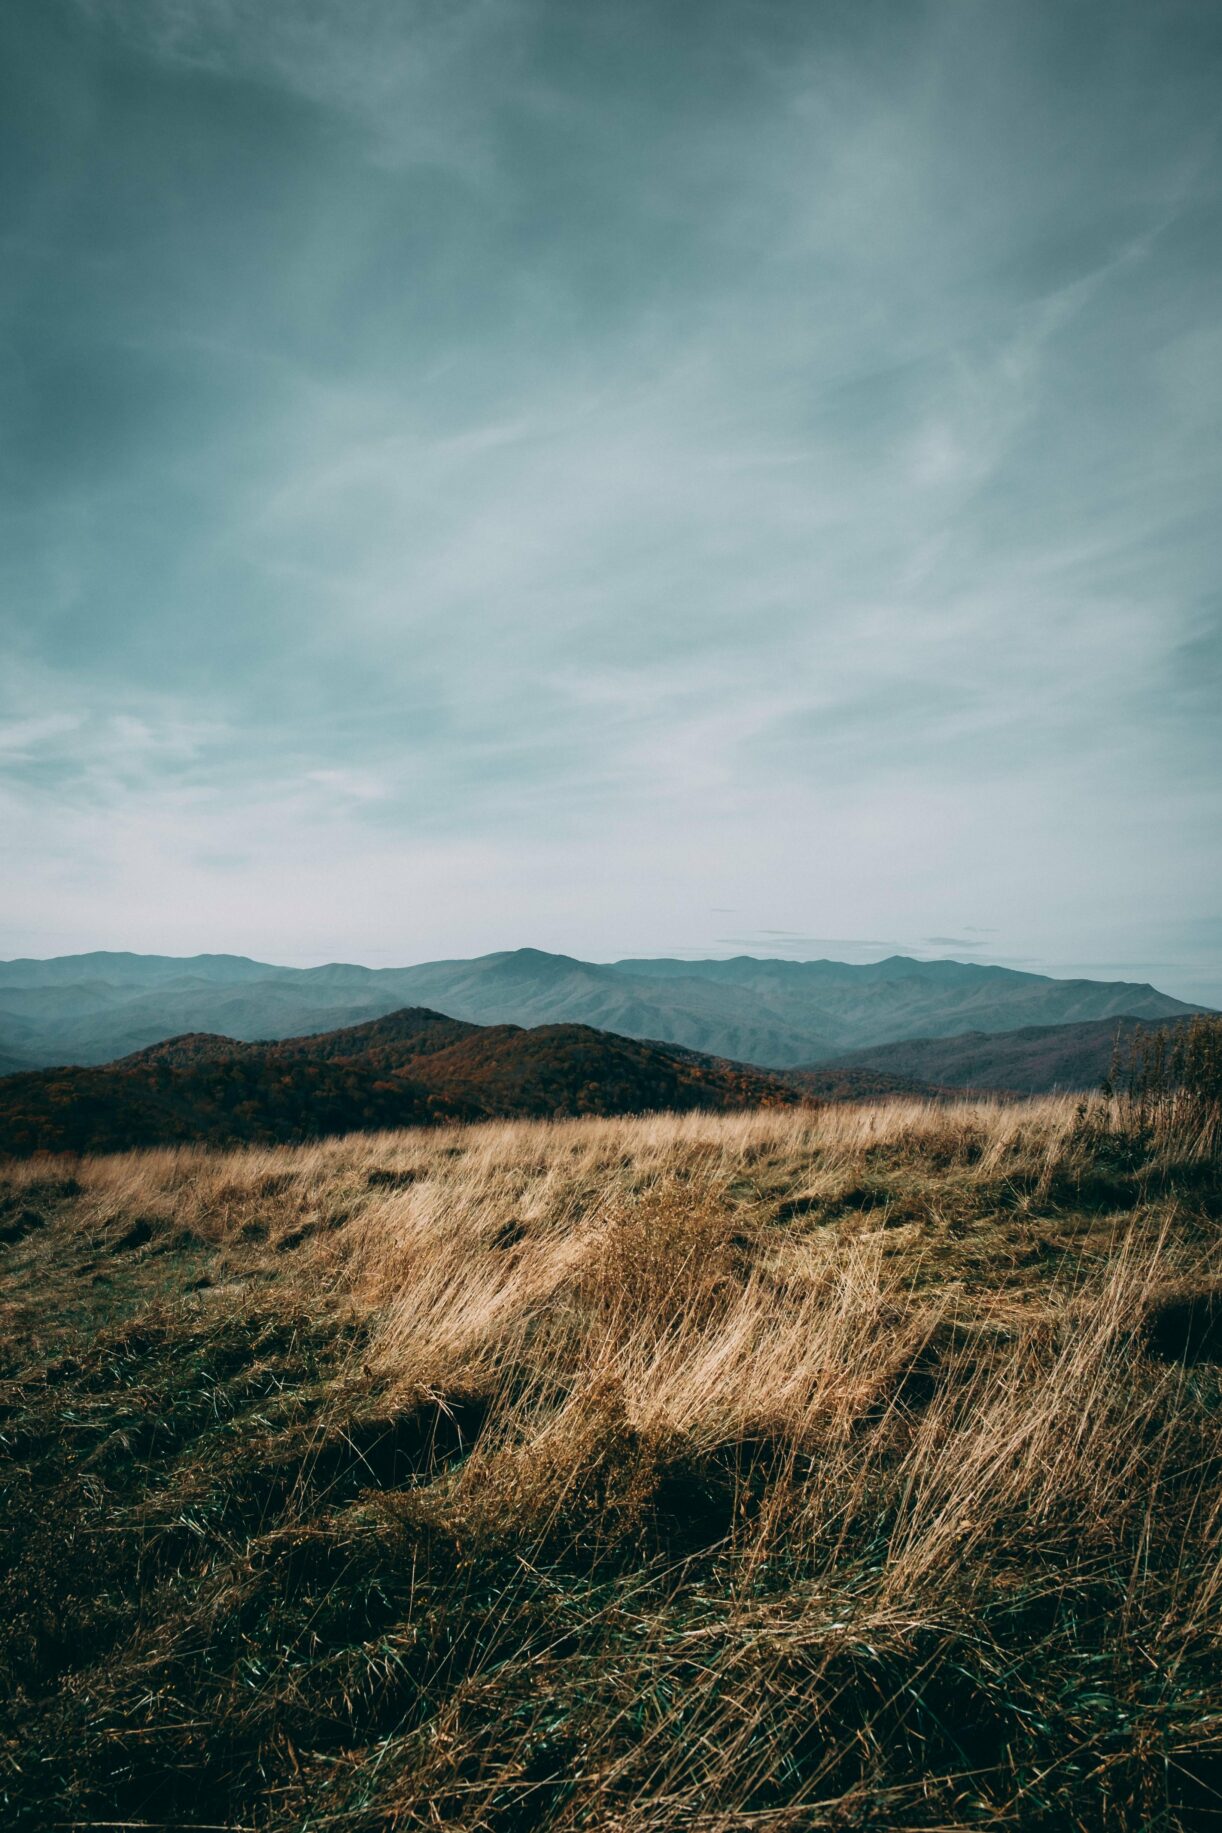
x=1036, y=1059
x=776, y=1014
x=414, y=1067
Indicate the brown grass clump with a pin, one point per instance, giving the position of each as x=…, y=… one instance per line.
x=1169, y=1085
x=850, y=1468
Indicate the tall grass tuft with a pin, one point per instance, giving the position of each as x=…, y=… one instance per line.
x=1170, y=1084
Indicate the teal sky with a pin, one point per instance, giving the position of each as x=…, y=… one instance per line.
x=628, y=476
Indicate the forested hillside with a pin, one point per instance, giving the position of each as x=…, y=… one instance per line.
x=413, y=1068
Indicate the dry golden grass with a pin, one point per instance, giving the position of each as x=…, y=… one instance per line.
x=851, y=1467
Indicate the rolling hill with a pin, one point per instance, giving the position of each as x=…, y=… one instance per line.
x=412, y=1068
x=93, y=1008
x=1034, y=1060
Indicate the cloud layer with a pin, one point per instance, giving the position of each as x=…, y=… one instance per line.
x=505, y=472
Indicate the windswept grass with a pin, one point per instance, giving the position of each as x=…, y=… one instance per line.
x=851, y=1468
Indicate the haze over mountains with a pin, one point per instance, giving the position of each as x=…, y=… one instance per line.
x=93, y=1008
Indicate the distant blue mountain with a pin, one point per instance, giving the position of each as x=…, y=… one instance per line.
x=777, y=1014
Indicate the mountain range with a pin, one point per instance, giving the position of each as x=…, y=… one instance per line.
x=1032, y=1060
x=90, y=1009
x=413, y=1068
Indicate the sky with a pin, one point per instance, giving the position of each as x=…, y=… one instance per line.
x=636, y=477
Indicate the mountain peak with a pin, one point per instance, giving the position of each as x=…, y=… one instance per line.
x=777, y=1013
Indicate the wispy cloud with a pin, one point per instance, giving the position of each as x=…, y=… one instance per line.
x=562, y=466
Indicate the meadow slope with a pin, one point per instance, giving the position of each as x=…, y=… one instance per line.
x=858, y=1467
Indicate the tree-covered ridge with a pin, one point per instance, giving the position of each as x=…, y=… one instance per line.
x=412, y=1068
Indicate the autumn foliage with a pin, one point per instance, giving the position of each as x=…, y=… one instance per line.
x=413, y=1068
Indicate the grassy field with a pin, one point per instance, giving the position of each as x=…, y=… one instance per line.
x=858, y=1467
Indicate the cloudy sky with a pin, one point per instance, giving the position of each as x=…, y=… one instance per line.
x=625, y=477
